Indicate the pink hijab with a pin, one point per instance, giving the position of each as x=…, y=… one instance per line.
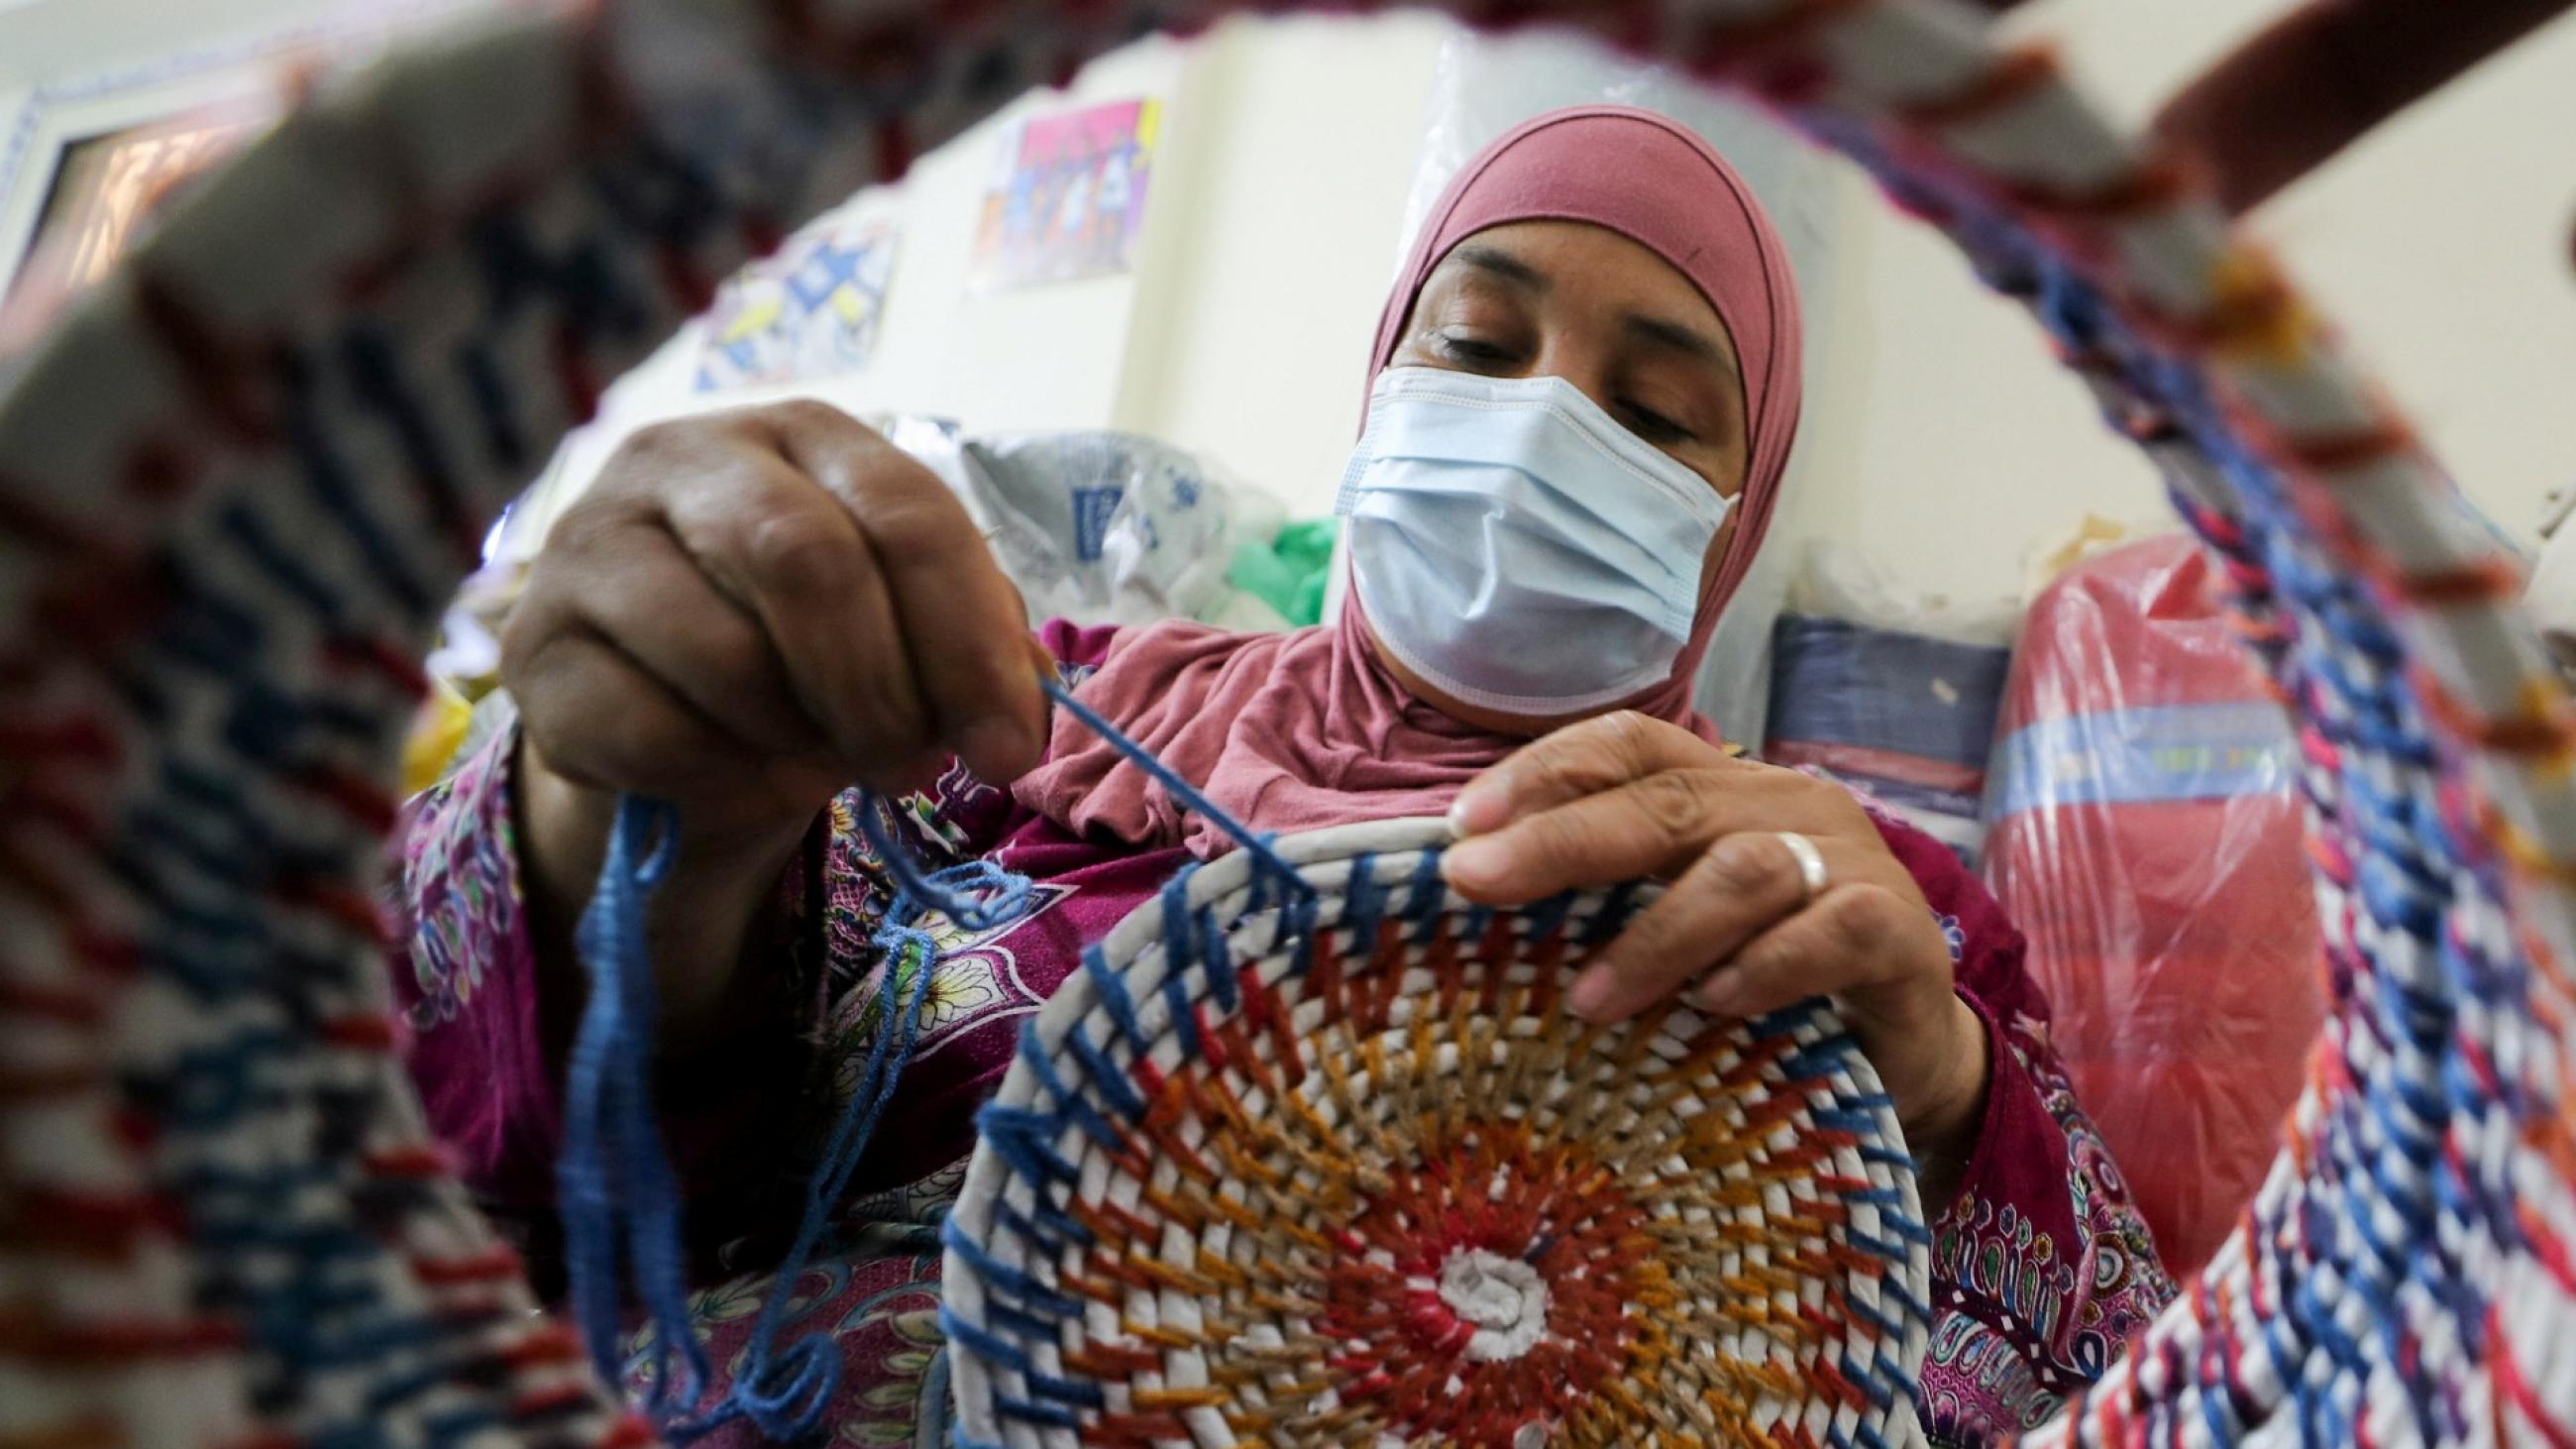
x=1294, y=731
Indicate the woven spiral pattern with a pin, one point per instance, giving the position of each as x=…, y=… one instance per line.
x=236, y=482
x=1341, y=1169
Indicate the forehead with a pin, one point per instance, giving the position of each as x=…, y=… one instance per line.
x=1582, y=257
x=1574, y=269
x=1591, y=271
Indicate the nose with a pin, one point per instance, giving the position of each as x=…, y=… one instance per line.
x=1577, y=360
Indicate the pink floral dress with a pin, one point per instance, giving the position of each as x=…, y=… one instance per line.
x=2041, y=1267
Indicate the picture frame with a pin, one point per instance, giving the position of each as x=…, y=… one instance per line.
x=136, y=125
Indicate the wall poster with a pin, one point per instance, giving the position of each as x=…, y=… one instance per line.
x=812, y=311
x=1067, y=198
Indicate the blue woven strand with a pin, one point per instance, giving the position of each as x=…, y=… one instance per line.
x=1424, y=895
x=1071, y=1105
x=1616, y=908
x=1045, y=1225
x=1020, y=1283
x=1105, y=1074
x=1185, y=1022
x=1023, y=1139
x=280, y=565
x=1303, y=912
x=1111, y=986
x=1216, y=958
x=1363, y=903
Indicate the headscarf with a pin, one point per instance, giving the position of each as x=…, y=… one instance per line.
x=1298, y=730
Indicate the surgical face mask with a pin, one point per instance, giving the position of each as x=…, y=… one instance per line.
x=1518, y=549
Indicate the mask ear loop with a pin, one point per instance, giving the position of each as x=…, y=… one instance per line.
x=619, y=1194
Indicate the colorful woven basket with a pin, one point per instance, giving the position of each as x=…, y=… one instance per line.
x=1335, y=1166
x=236, y=482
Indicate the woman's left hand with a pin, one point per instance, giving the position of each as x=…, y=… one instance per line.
x=1737, y=932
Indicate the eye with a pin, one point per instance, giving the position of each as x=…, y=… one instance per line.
x=1472, y=351
x=1654, y=427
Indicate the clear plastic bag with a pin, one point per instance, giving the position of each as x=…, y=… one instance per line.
x=1099, y=527
x=2144, y=832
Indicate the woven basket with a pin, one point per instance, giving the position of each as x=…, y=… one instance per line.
x=236, y=482
x=1340, y=1168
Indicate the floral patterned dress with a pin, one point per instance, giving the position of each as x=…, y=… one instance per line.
x=2041, y=1267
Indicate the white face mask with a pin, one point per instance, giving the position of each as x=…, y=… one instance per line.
x=1516, y=548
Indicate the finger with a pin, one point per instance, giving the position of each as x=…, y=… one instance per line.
x=644, y=594
x=1652, y=826
x=1568, y=764
x=2294, y=95
x=963, y=622
x=1842, y=942
x=794, y=556
x=1739, y=888
x=603, y=720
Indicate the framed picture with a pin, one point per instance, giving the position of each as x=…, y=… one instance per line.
x=1067, y=197
x=86, y=157
x=105, y=187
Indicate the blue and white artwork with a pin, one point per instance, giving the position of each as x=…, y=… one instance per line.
x=811, y=311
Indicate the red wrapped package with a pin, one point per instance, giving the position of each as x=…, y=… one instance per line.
x=2145, y=832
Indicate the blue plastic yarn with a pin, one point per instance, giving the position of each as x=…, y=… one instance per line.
x=619, y=1194
x=1258, y=845
x=785, y=1391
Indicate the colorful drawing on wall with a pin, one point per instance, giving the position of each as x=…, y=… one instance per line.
x=106, y=188
x=1068, y=195
x=812, y=311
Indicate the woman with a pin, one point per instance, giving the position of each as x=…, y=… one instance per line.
x=1583, y=395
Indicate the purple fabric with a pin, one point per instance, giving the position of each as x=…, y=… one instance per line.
x=2041, y=1268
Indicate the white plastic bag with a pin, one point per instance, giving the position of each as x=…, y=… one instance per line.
x=1096, y=526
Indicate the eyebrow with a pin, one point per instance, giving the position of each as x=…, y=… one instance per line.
x=1662, y=332
x=1665, y=333
x=1498, y=263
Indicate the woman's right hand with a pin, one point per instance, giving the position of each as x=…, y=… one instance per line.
x=753, y=609
x=748, y=612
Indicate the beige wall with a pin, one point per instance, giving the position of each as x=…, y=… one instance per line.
x=1243, y=333
x=1040, y=357
x=2440, y=245
x=1257, y=353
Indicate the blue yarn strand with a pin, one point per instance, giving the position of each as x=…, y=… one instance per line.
x=618, y=1193
x=620, y=1197
x=1258, y=846
x=784, y=1391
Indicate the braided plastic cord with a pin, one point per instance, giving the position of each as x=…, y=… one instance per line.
x=235, y=483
